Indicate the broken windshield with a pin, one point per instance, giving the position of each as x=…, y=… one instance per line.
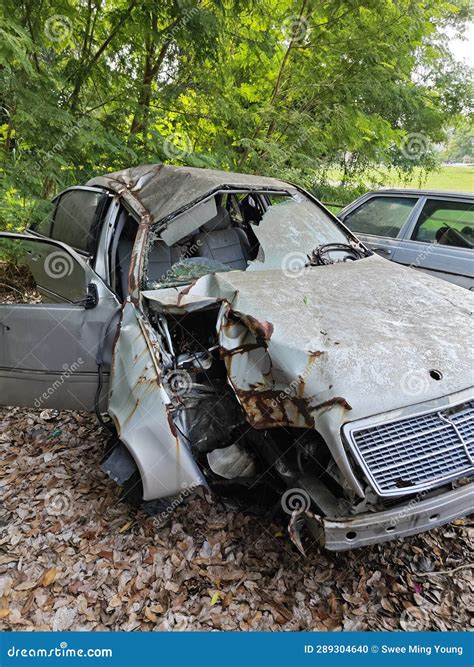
x=288, y=232
x=242, y=231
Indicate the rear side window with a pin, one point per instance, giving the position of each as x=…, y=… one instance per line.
x=381, y=216
x=447, y=223
x=76, y=218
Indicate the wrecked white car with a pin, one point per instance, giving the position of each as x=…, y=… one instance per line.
x=239, y=336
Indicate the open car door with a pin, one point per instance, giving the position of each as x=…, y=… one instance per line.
x=57, y=320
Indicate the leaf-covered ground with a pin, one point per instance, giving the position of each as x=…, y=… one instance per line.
x=72, y=556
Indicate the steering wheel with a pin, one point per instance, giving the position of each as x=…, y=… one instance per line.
x=448, y=235
x=321, y=254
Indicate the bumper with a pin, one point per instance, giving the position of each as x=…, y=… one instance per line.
x=416, y=516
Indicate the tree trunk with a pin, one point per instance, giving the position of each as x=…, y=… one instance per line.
x=151, y=68
x=85, y=67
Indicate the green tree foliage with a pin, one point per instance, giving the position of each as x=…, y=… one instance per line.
x=460, y=144
x=292, y=88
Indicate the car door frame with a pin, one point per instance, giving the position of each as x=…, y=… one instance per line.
x=384, y=246
x=73, y=385
x=98, y=232
x=411, y=252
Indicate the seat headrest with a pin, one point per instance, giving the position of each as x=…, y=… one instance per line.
x=220, y=221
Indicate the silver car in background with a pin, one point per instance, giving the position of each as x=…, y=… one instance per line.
x=427, y=229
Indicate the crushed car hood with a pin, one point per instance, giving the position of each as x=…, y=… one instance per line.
x=366, y=336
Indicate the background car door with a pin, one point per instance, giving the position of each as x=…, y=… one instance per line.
x=56, y=323
x=379, y=221
x=441, y=240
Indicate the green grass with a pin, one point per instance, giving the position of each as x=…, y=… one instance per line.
x=455, y=179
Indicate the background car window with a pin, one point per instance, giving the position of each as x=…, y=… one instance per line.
x=34, y=271
x=381, y=216
x=76, y=217
x=447, y=223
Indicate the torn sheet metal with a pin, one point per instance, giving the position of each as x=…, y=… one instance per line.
x=141, y=409
x=298, y=520
x=312, y=352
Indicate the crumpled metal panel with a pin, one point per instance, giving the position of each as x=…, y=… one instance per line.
x=357, y=331
x=155, y=191
x=140, y=407
x=335, y=344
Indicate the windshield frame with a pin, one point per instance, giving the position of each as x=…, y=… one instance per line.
x=155, y=230
x=162, y=224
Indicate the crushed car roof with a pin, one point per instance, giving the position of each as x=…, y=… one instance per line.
x=155, y=191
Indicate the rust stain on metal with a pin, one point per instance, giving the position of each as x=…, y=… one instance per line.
x=301, y=385
x=262, y=330
x=314, y=355
x=137, y=403
x=302, y=405
x=152, y=345
x=294, y=531
x=269, y=408
x=263, y=408
x=327, y=405
x=185, y=291
x=171, y=424
x=136, y=262
x=241, y=349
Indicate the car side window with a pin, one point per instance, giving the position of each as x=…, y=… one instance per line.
x=448, y=223
x=75, y=219
x=381, y=216
x=37, y=271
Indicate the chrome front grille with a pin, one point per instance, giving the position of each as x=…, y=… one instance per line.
x=416, y=453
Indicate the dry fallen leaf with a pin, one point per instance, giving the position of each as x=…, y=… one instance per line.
x=115, y=602
x=126, y=526
x=27, y=585
x=212, y=567
x=150, y=615
x=48, y=577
